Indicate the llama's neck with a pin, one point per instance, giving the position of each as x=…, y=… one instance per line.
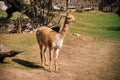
x=64, y=29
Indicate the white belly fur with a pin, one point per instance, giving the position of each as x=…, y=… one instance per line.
x=58, y=41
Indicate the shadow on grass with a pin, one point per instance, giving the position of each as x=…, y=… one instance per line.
x=26, y=63
x=113, y=28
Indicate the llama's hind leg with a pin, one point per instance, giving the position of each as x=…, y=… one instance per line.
x=41, y=55
x=45, y=56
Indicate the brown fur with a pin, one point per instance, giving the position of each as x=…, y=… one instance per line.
x=48, y=38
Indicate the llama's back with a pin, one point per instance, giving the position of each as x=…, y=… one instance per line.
x=45, y=35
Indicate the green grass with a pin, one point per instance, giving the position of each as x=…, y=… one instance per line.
x=97, y=23
x=19, y=41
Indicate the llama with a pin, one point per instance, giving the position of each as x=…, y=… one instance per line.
x=48, y=38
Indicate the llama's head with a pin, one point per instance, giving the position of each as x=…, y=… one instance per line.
x=70, y=17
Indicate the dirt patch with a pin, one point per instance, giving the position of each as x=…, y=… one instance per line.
x=81, y=58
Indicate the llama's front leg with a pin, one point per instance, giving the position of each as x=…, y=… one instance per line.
x=56, y=59
x=51, y=59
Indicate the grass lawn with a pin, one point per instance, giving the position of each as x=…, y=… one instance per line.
x=97, y=23
x=92, y=56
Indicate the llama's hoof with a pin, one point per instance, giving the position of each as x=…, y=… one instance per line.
x=46, y=64
x=56, y=71
x=42, y=66
x=50, y=71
